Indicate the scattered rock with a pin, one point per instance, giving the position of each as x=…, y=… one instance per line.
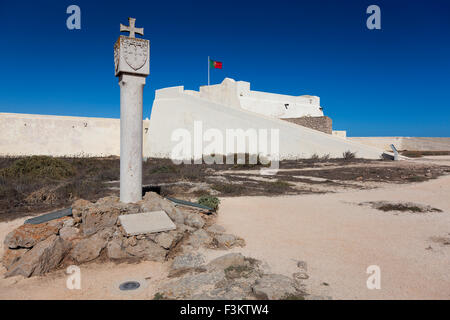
x=215, y=228
x=185, y=263
x=225, y=261
x=194, y=220
x=11, y=256
x=191, y=285
x=69, y=233
x=302, y=265
x=45, y=256
x=147, y=249
x=89, y=248
x=300, y=276
x=98, y=217
x=114, y=250
x=165, y=240
x=154, y=202
x=226, y=241
x=28, y=235
x=274, y=287
x=199, y=238
x=70, y=222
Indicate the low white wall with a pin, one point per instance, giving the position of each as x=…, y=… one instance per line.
x=28, y=134
x=406, y=143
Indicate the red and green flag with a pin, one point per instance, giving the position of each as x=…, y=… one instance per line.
x=215, y=64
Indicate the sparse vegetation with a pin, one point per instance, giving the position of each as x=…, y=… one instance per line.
x=293, y=297
x=42, y=167
x=209, y=201
x=159, y=296
x=401, y=206
x=277, y=186
x=228, y=188
x=348, y=155
x=38, y=184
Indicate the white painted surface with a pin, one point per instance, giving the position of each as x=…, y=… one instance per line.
x=147, y=222
x=406, y=143
x=174, y=108
x=30, y=134
x=238, y=94
x=339, y=133
x=131, y=91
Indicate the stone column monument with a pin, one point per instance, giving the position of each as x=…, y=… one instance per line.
x=131, y=59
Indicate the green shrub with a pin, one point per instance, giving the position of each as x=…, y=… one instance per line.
x=209, y=201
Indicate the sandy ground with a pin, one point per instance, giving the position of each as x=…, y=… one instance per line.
x=337, y=238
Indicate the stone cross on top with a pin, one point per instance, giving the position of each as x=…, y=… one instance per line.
x=131, y=29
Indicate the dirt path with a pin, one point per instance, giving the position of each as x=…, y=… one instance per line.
x=339, y=239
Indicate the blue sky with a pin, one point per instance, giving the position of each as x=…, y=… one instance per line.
x=393, y=81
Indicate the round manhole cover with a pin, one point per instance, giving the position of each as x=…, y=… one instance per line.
x=129, y=285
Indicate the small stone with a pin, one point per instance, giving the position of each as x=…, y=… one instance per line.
x=191, y=285
x=154, y=202
x=78, y=207
x=185, y=263
x=300, y=276
x=193, y=220
x=11, y=256
x=226, y=241
x=165, y=240
x=302, y=265
x=98, y=217
x=114, y=250
x=227, y=260
x=199, y=238
x=131, y=241
x=69, y=222
x=68, y=233
x=274, y=287
x=215, y=228
x=148, y=250
x=88, y=249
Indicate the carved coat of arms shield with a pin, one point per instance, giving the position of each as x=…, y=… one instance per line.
x=135, y=53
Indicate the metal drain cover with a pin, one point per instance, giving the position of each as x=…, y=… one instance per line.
x=129, y=285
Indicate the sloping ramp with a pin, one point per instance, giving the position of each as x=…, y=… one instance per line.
x=175, y=108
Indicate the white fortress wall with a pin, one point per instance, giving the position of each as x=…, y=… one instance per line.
x=406, y=143
x=173, y=109
x=238, y=94
x=28, y=134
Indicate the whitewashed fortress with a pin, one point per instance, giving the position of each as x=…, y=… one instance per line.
x=229, y=105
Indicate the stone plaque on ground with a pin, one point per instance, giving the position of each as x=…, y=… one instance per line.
x=147, y=222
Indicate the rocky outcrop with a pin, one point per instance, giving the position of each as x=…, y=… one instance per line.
x=186, y=263
x=274, y=287
x=94, y=231
x=45, y=256
x=89, y=249
x=228, y=277
x=28, y=235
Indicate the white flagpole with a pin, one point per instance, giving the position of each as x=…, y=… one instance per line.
x=208, y=70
